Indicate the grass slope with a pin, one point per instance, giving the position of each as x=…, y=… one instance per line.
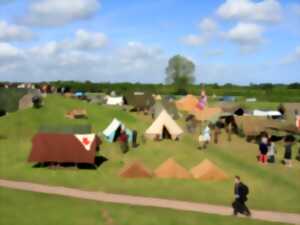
x=272, y=187
x=46, y=209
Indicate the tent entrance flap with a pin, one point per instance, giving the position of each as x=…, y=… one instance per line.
x=166, y=134
x=117, y=133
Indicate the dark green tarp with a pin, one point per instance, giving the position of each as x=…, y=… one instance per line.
x=66, y=129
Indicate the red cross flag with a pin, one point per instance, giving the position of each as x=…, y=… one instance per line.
x=86, y=140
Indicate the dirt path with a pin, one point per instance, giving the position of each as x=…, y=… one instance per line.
x=145, y=201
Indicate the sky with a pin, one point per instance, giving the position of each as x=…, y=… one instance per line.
x=229, y=41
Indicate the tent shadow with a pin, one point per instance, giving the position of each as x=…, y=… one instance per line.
x=99, y=160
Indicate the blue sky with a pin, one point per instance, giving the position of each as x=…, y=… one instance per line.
x=237, y=41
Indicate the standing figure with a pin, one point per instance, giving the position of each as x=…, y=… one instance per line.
x=263, y=149
x=271, y=151
x=123, y=139
x=202, y=101
x=240, y=193
x=206, y=136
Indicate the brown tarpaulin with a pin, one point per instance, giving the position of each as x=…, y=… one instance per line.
x=61, y=148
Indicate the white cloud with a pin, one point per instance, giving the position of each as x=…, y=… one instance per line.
x=60, y=12
x=293, y=57
x=83, y=41
x=134, y=62
x=247, y=35
x=89, y=40
x=249, y=10
x=9, y=54
x=9, y=32
x=208, y=29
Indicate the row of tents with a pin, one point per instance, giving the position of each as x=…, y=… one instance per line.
x=170, y=169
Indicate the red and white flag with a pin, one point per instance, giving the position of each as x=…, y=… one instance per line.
x=86, y=140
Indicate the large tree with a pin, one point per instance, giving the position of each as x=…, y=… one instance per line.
x=180, y=71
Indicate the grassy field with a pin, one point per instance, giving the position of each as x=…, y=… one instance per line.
x=45, y=209
x=272, y=187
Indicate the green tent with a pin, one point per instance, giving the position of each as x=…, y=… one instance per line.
x=169, y=106
x=10, y=97
x=139, y=100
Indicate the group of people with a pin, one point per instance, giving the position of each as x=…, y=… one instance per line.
x=268, y=151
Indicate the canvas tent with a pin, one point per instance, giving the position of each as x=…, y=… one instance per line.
x=113, y=130
x=208, y=171
x=171, y=169
x=164, y=127
x=9, y=98
x=187, y=103
x=269, y=113
x=26, y=101
x=170, y=107
x=291, y=111
x=114, y=101
x=139, y=100
x=135, y=170
x=64, y=148
x=253, y=125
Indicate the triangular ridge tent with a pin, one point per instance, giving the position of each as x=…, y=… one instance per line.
x=135, y=170
x=208, y=171
x=115, y=101
x=113, y=130
x=164, y=127
x=171, y=169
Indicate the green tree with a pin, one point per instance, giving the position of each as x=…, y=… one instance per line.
x=180, y=72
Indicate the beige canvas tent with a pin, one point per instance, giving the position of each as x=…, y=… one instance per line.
x=26, y=101
x=135, y=170
x=187, y=103
x=164, y=127
x=171, y=169
x=206, y=170
x=207, y=114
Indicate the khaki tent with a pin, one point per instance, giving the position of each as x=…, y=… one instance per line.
x=164, y=127
x=135, y=170
x=171, y=169
x=206, y=170
x=76, y=114
x=291, y=109
x=207, y=114
x=159, y=106
x=253, y=125
x=26, y=101
x=187, y=103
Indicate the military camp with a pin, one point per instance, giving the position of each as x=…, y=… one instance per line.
x=141, y=112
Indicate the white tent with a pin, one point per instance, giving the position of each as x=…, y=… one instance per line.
x=164, y=127
x=257, y=112
x=115, y=101
x=113, y=130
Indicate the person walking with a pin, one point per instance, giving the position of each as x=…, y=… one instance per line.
x=240, y=193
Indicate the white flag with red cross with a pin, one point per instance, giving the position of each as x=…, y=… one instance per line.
x=86, y=140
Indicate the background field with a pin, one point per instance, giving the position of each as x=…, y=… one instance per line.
x=36, y=209
x=272, y=187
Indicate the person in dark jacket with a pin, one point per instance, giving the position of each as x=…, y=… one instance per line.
x=240, y=193
x=123, y=140
x=288, y=154
x=263, y=149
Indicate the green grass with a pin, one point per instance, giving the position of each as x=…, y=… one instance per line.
x=24, y=208
x=272, y=187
